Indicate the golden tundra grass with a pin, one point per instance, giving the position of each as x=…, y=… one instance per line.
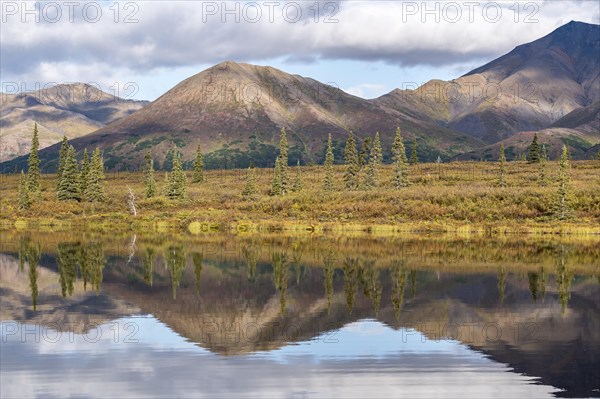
x=461, y=197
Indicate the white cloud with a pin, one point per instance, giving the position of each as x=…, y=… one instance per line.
x=170, y=35
x=367, y=90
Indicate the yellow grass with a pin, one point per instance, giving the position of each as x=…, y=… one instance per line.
x=457, y=197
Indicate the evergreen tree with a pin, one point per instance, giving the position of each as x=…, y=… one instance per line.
x=85, y=164
x=68, y=257
x=250, y=189
x=543, y=161
x=352, y=164
x=351, y=267
x=328, y=181
x=85, y=170
x=375, y=159
x=24, y=201
x=198, y=175
x=399, y=275
x=502, y=161
x=297, y=187
x=534, y=151
x=365, y=150
x=276, y=184
x=69, y=187
x=64, y=148
x=149, y=175
x=148, y=259
x=563, y=207
x=94, y=182
x=197, y=259
x=175, y=262
x=176, y=187
x=413, y=152
x=283, y=161
x=34, y=253
x=400, y=178
x=33, y=172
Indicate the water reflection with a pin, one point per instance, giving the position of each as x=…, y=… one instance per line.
x=528, y=304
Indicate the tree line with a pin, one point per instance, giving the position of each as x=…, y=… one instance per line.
x=362, y=171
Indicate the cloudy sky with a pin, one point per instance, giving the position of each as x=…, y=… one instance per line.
x=368, y=359
x=365, y=48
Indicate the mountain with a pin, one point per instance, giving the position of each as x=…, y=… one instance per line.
x=579, y=130
x=73, y=110
x=528, y=89
x=236, y=111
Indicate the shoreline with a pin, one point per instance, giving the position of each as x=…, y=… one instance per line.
x=124, y=222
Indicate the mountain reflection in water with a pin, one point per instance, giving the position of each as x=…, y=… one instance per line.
x=269, y=315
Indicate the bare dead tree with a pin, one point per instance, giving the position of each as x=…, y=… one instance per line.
x=132, y=202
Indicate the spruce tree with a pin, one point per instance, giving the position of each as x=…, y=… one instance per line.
x=85, y=163
x=352, y=164
x=276, y=184
x=283, y=161
x=328, y=180
x=198, y=175
x=69, y=187
x=24, y=201
x=563, y=208
x=534, y=151
x=375, y=159
x=64, y=148
x=543, y=180
x=149, y=176
x=502, y=172
x=297, y=187
x=85, y=170
x=250, y=189
x=400, y=178
x=33, y=172
x=165, y=188
x=176, y=188
x=94, y=182
x=365, y=150
x=413, y=152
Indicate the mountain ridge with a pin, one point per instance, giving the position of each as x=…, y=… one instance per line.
x=236, y=110
x=71, y=110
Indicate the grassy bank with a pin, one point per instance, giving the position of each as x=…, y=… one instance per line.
x=461, y=196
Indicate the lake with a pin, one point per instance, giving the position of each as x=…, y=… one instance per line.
x=274, y=315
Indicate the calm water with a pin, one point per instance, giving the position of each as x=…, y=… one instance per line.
x=140, y=315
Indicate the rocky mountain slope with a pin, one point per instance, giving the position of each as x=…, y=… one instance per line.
x=579, y=129
x=530, y=88
x=73, y=110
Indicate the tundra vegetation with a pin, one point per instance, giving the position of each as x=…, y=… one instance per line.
x=547, y=195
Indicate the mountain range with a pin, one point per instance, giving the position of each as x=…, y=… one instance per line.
x=72, y=110
x=235, y=111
